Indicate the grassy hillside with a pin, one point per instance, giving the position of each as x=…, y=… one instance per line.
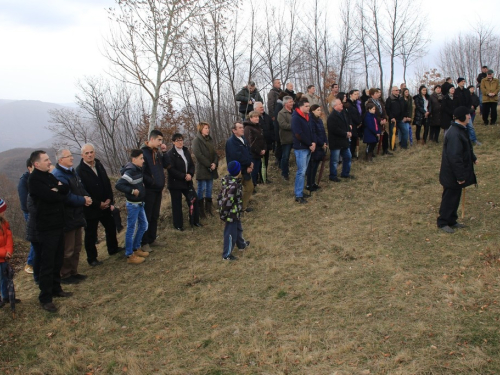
x=359, y=281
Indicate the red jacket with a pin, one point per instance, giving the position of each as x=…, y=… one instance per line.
x=6, y=242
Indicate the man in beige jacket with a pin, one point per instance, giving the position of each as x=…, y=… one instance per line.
x=489, y=90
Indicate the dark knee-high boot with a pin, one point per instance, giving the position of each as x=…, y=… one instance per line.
x=208, y=206
x=201, y=206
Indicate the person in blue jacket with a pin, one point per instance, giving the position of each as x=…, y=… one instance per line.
x=304, y=142
x=371, y=134
x=237, y=148
x=74, y=219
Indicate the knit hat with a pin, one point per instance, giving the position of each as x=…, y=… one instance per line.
x=460, y=80
x=460, y=113
x=490, y=71
x=234, y=168
x=3, y=205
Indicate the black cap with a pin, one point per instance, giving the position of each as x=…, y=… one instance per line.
x=460, y=80
x=461, y=112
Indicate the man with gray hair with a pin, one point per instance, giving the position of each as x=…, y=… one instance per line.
x=74, y=221
x=97, y=184
x=247, y=97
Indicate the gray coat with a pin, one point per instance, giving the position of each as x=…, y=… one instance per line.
x=204, y=151
x=285, y=123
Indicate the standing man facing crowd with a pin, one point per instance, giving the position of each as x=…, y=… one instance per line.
x=489, y=91
x=457, y=169
x=97, y=184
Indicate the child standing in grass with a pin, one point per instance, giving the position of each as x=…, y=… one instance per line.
x=230, y=207
x=6, y=250
x=131, y=184
x=371, y=133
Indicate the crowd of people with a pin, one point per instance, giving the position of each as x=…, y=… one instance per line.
x=63, y=205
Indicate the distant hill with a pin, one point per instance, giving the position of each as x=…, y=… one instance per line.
x=23, y=123
x=13, y=162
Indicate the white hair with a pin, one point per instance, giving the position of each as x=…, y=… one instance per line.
x=60, y=153
x=87, y=145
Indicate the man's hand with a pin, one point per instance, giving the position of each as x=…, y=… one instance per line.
x=135, y=192
x=312, y=147
x=188, y=177
x=426, y=114
x=262, y=152
x=88, y=201
x=103, y=206
x=461, y=182
x=349, y=134
x=393, y=120
x=212, y=166
x=8, y=256
x=249, y=169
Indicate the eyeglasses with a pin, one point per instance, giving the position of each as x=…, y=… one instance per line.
x=64, y=157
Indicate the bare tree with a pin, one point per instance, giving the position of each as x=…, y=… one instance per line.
x=147, y=38
x=347, y=48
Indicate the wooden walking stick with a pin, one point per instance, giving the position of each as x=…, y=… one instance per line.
x=463, y=203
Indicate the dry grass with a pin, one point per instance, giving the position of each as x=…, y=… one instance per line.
x=359, y=281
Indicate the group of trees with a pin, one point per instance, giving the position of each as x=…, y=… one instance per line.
x=177, y=62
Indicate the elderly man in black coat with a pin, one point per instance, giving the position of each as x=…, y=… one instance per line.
x=339, y=135
x=457, y=169
x=96, y=182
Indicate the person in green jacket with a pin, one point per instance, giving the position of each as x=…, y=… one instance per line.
x=207, y=162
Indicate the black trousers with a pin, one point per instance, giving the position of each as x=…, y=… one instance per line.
x=51, y=260
x=176, y=197
x=353, y=145
x=425, y=123
x=434, y=136
x=449, y=207
x=278, y=152
x=152, y=204
x=487, y=107
x=90, y=240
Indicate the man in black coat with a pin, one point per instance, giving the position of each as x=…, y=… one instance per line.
x=457, y=169
x=395, y=108
x=48, y=195
x=155, y=163
x=339, y=135
x=97, y=184
x=462, y=98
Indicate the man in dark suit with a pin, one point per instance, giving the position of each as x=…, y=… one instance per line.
x=339, y=135
x=97, y=184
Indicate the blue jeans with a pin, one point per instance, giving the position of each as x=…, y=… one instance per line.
x=204, y=186
x=285, y=158
x=31, y=254
x=472, y=132
x=3, y=281
x=403, y=130
x=233, y=235
x=135, y=215
x=257, y=165
x=346, y=162
x=302, y=159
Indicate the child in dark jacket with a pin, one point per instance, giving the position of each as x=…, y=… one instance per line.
x=6, y=251
x=371, y=135
x=131, y=183
x=230, y=207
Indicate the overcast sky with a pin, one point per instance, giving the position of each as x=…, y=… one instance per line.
x=48, y=45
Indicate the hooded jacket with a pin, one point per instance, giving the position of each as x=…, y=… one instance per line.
x=303, y=136
x=132, y=179
x=247, y=98
x=6, y=241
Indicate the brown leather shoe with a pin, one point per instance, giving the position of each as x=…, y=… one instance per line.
x=141, y=253
x=50, y=307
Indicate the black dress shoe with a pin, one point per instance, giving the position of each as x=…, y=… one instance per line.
x=95, y=263
x=335, y=179
x=198, y=225
x=300, y=200
x=62, y=294
x=70, y=280
x=79, y=276
x=248, y=209
x=180, y=229
x=316, y=186
x=115, y=251
x=50, y=307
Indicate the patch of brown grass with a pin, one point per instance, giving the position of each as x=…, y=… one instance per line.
x=358, y=281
